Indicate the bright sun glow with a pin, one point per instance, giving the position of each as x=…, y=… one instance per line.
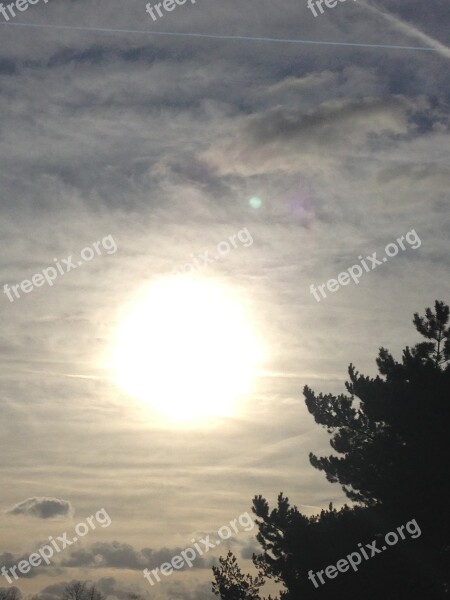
x=187, y=348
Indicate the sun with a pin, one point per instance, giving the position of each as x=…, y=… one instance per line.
x=187, y=348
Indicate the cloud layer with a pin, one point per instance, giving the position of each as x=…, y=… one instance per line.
x=161, y=141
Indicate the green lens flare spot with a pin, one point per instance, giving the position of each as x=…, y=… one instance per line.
x=255, y=202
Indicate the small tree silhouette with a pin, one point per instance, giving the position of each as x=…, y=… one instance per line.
x=231, y=584
x=82, y=590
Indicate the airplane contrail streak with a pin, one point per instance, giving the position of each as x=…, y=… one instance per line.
x=221, y=37
x=409, y=29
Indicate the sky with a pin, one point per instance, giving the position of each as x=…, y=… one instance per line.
x=313, y=141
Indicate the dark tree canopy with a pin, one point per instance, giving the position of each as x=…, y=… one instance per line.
x=391, y=433
x=391, y=440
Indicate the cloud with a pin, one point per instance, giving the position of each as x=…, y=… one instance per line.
x=43, y=508
x=292, y=139
x=53, y=592
x=118, y=555
x=118, y=589
x=9, y=560
x=249, y=550
x=179, y=591
x=10, y=593
x=113, y=555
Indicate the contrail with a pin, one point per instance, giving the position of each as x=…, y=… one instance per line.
x=222, y=37
x=410, y=30
x=70, y=375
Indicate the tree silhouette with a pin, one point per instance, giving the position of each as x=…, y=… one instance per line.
x=81, y=590
x=392, y=432
x=235, y=585
x=393, y=457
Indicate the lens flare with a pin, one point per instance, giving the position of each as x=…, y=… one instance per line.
x=255, y=202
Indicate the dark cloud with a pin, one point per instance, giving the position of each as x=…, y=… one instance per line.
x=324, y=122
x=10, y=593
x=42, y=508
x=178, y=590
x=10, y=560
x=118, y=555
x=53, y=592
x=112, y=588
x=249, y=550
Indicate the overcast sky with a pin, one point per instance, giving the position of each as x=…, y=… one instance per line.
x=160, y=141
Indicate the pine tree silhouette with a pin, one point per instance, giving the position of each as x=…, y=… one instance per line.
x=390, y=436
